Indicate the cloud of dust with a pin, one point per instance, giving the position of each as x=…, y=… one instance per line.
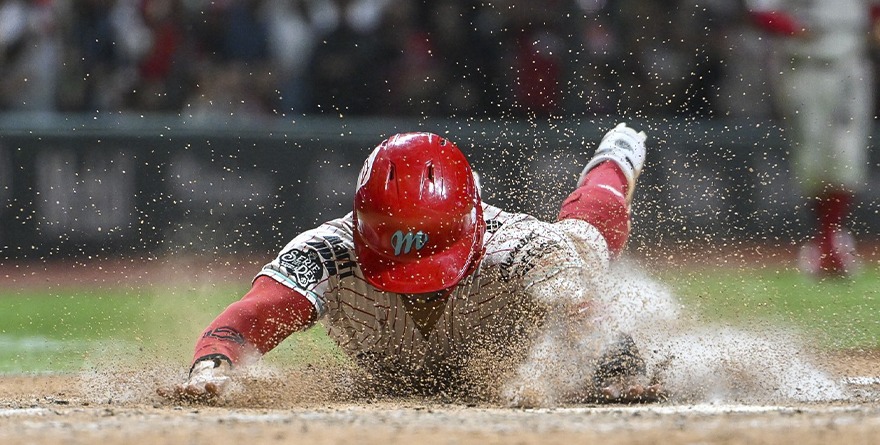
x=711, y=362
x=260, y=384
x=121, y=384
x=696, y=361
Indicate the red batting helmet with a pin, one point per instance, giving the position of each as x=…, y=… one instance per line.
x=418, y=221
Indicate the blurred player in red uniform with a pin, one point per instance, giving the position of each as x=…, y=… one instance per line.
x=423, y=280
x=825, y=92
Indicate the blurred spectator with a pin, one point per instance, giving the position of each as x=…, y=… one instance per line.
x=412, y=66
x=406, y=57
x=465, y=53
x=231, y=51
x=595, y=60
x=436, y=60
x=671, y=62
x=537, y=47
x=29, y=55
x=290, y=42
x=162, y=80
x=344, y=68
x=92, y=62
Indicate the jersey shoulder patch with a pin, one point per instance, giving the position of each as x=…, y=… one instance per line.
x=315, y=256
x=303, y=266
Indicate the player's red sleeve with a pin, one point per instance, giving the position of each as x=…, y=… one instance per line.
x=776, y=22
x=265, y=316
x=601, y=201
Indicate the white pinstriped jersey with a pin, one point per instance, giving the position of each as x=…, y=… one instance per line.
x=527, y=267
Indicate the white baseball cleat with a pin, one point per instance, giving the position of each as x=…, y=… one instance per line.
x=626, y=148
x=837, y=260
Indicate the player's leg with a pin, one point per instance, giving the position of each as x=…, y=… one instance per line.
x=832, y=250
x=573, y=351
x=606, y=185
x=839, y=169
x=577, y=359
x=603, y=198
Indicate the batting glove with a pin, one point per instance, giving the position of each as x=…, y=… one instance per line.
x=208, y=378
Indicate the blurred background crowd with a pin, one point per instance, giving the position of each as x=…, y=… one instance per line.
x=464, y=58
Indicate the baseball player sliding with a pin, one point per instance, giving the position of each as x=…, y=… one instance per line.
x=430, y=290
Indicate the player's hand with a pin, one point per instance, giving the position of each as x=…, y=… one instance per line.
x=207, y=380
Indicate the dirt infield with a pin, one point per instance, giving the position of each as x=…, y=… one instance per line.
x=113, y=406
x=427, y=424
x=117, y=408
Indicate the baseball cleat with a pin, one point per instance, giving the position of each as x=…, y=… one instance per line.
x=626, y=148
x=836, y=259
x=621, y=376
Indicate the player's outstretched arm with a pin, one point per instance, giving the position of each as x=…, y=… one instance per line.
x=248, y=328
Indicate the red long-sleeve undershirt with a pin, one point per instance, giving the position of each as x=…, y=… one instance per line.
x=265, y=316
x=270, y=311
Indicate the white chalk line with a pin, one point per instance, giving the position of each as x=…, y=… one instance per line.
x=43, y=421
x=700, y=408
x=861, y=381
x=8, y=412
